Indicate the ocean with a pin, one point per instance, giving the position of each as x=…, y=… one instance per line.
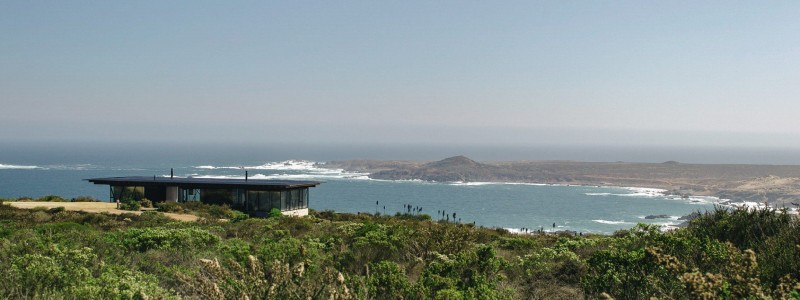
x=588, y=209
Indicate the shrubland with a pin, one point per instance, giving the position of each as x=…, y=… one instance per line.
x=58, y=254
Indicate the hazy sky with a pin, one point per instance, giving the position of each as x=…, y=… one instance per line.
x=721, y=73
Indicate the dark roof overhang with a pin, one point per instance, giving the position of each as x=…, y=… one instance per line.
x=206, y=183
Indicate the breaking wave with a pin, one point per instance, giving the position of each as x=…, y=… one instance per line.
x=479, y=183
x=643, y=192
x=597, y=194
x=612, y=222
x=18, y=167
x=295, y=165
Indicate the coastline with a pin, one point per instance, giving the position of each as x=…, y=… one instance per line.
x=776, y=185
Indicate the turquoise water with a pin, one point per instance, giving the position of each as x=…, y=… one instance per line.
x=513, y=206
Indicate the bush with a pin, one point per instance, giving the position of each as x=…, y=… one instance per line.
x=389, y=281
x=84, y=199
x=59, y=270
x=218, y=211
x=154, y=218
x=130, y=205
x=475, y=273
x=146, y=203
x=170, y=207
x=275, y=213
x=517, y=243
x=235, y=249
x=238, y=216
x=143, y=239
x=56, y=210
x=51, y=198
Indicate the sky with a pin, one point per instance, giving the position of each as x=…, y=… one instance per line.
x=639, y=73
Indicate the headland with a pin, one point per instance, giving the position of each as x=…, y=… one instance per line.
x=777, y=185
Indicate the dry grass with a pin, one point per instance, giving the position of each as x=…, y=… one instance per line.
x=93, y=207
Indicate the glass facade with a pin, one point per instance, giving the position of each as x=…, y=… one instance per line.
x=127, y=192
x=264, y=200
x=245, y=200
x=296, y=199
x=185, y=195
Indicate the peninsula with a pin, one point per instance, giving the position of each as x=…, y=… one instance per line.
x=778, y=185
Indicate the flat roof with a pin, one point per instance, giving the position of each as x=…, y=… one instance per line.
x=205, y=183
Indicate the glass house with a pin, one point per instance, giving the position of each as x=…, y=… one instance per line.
x=254, y=197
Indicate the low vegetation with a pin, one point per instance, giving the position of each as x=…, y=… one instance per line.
x=202, y=210
x=729, y=254
x=50, y=198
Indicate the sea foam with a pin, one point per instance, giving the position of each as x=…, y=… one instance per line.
x=289, y=169
x=611, y=222
x=479, y=183
x=17, y=167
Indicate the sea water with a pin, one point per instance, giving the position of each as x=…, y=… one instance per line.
x=514, y=206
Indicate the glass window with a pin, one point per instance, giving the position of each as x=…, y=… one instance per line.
x=265, y=201
x=295, y=199
x=252, y=200
x=217, y=196
x=275, y=200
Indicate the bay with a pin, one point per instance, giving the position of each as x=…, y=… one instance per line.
x=586, y=209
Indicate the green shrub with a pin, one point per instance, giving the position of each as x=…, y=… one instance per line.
x=238, y=216
x=154, y=218
x=235, y=249
x=170, y=207
x=285, y=249
x=275, y=213
x=517, y=243
x=60, y=270
x=40, y=216
x=84, y=199
x=475, y=273
x=5, y=231
x=218, y=211
x=51, y=198
x=63, y=227
x=56, y=210
x=117, y=282
x=146, y=203
x=745, y=228
x=388, y=281
x=143, y=239
x=130, y=205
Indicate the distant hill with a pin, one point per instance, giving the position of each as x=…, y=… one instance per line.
x=452, y=169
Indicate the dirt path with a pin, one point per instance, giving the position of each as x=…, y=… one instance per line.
x=94, y=207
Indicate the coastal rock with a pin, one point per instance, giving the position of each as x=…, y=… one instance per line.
x=651, y=217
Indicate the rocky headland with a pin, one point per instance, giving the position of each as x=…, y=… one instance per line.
x=778, y=185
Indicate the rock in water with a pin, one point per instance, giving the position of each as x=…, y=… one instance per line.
x=650, y=217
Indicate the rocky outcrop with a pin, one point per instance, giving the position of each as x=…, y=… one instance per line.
x=651, y=217
x=778, y=191
x=453, y=169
